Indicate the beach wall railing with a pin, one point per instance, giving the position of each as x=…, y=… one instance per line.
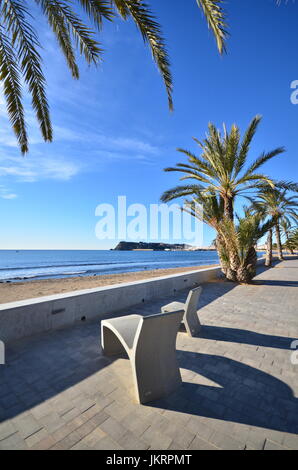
x=32, y=316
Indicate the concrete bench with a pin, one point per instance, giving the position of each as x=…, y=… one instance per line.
x=190, y=318
x=150, y=343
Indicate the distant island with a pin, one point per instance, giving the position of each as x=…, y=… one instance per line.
x=144, y=246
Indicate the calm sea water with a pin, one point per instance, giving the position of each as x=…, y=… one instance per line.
x=44, y=264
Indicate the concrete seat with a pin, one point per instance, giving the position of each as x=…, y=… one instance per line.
x=150, y=343
x=190, y=318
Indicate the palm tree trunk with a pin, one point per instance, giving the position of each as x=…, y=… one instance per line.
x=229, y=207
x=278, y=241
x=247, y=271
x=268, y=260
x=225, y=261
x=223, y=264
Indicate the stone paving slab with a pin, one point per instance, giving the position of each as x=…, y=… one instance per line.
x=57, y=390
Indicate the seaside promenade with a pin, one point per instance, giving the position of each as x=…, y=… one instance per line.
x=240, y=387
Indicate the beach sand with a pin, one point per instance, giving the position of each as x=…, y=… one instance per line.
x=13, y=291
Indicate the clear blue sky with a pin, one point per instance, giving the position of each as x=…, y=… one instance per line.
x=114, y=133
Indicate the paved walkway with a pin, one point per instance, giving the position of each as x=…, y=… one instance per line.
x=239, y=387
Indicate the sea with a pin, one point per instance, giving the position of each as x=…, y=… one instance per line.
x=21, y=265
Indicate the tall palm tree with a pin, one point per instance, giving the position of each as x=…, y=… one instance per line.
x=221, y=166
x=235, y=243
x=286, y=226
x=20, y=57
x=292, y=241
x=275, y=203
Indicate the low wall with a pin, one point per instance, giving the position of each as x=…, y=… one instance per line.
x=32, y=316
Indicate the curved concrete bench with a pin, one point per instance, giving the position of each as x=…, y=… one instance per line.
x=150, y=343
x=190, y=318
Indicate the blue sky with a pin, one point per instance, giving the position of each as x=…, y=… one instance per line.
x=114, y=133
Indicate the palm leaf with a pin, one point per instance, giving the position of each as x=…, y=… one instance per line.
x=71, y=22
x=245, y=145
x=97, y=10
x=24, y=38
x=10, y=77
x=61, y=31
x=151, y=32
x=260, y=161
x=216, y=20
x=180, y=191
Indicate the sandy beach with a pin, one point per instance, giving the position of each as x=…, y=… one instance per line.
x=13, y=291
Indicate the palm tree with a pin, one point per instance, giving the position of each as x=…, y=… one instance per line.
x=235, y=243
x=274, y=203
x=221, y=166
x=292, y=241
x=20, y=57
x=286, y=226
x=220, y=174
x=242, y=239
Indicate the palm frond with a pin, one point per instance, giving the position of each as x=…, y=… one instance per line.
x=245, y=145
x=288, y=185
x=10, y=77
x=231, y=141
x=60, y=28
x=216, y=20
x=97, y=10
x=24, y=38
x=69, y=22
x=259, y=177
x=180, y=191
x=151, y=32
x=263, y=159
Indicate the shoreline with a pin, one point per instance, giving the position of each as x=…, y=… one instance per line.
x=21, y=290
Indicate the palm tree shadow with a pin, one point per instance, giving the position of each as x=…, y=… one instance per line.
x=243, y=394
x=236, y=335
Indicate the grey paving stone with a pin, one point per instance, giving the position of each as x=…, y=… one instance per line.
x=13, y=442
x=135, y=423
x=35, y=438
x=291, y=441
x=200, y=444
x=113, y=428
x=90, y=440
x=7, y=429
x=107, y=443
x=270, y=445
x=155, y=439
x=68, y=441
x=27, y=425
x=225, y=442
x=130, y=441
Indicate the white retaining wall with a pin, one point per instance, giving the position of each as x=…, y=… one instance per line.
x=32, y=316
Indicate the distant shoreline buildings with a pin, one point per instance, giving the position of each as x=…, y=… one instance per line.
x=147, y=246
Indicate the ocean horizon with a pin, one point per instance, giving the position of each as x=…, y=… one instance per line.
x=22, y=265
